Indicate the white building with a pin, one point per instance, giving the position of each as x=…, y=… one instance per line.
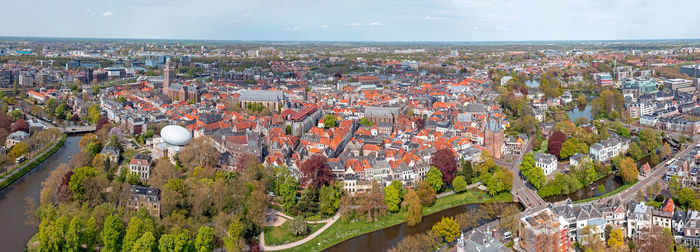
x=546, y=161
x=608, y=148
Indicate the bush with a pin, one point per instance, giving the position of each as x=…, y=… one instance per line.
x=459, y=184
x=298, y=226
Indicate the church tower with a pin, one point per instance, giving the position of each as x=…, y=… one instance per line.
x=167, y=74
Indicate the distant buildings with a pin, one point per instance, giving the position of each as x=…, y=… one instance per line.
x=603, y=79
x=272, y=100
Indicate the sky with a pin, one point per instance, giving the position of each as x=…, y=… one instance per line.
x=353, y=20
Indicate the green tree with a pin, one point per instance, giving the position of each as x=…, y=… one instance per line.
x=686, y=196
x=329, y=121
x=288, y=130
x=76, y=180
x=534, y=175
x=392, y=198
x=89, y=236
x=94, y=113
x=665, y=150
x=413, y=207
x=447, y=228
x=329, y=198
x=146, y=243
x=18, y=150
x=288, y=192
x=205, y=240
x=135, y=229
x=366, y=122
x=467, y=171
x=178, y=240
x=73, y=235
x=434, y=178
x=674, y=185
x=298, y=226
x=112, y=234
x=459, y=184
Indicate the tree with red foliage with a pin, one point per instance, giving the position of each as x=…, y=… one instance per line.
x=446, y=162
x=20, y=124
x=63, y=192
x=316, y=172
x=420, y=124
x=101, y=122
x=523, y=90
x=5, y=121
x=555, y=141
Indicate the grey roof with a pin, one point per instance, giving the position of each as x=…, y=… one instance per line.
x=381, y=111
x=261, y=95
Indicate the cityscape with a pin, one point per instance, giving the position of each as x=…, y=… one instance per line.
x=440, y=126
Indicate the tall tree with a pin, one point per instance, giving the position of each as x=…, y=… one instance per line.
x=413, y=208
x=112, y=234
x=434, y=178
x=426, y=193
x=445, y=160
x=555, y=143
x=628, y=170
x=316, y=172
x=205, y=240
x=447, y=228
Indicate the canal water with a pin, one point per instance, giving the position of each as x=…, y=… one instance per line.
x=384, y=239
x=532, y=83
x=611, y=182
x=14, y=234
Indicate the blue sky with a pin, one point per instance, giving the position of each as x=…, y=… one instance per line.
x=353, y=20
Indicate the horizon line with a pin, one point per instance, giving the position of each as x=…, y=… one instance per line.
x=357, y=41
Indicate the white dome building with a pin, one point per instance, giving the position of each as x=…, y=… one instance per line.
x=175, y=135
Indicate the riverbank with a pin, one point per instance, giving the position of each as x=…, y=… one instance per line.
x=30, y=164
x=343, y=230
x=616, y=191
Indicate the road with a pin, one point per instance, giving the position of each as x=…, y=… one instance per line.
x=656, y=175
x=521, y=191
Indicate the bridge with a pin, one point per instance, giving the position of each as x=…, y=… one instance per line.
x=77, y=129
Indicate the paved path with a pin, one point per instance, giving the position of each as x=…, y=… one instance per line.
x=19, y=168
x=521, y=191
x=329, y=222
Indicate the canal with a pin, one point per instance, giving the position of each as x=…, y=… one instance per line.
x=384, y=239
x=15, y=234
x=611, y=182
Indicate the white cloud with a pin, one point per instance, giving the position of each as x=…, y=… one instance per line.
x=108, y=14
x=232, y=21
x=375, y=24
x=355, y=24
x=295, y=28
x=324, y=27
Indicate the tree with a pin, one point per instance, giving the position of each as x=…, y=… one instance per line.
x=298, y=226
x=467, y=171
x=199, y=152
x=665, y=150
x=73, y=234
x=392, y=198
x=616, y=240
x=634, y=151
x=136, y=228
x=373, y=204
x=20, y=124
x=366, y=122
x=555, y=142
x=329, y=121
x=112, y=234
x=445, y=160
x=447, y=228
x=146, y=243
x=288, y=192
x=76, y=180
x=686, y=196
x=510, y=218
x=205, y=239
x=426, y=193
x=18, y=150
x=674, y=185
x=316, y=172
x=329, y=198
x=413, y=207
x=628, y=170
x=459, y=184
x=534, y=175
x=178, y=240
x=434, y=178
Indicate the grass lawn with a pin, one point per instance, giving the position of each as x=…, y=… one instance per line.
x=279, y=235
x=343, y=230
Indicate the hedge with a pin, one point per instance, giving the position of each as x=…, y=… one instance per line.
x=28, y=167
